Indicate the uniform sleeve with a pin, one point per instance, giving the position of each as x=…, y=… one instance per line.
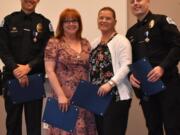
x=5, y=54
x=171, y=36
x=38, y=60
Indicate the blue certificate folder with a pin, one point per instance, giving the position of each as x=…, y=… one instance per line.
x=140, y=69
x=35, y=89
x=86, y=97
x=55, y=117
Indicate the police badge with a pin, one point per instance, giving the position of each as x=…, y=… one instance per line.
x=151, y=24
x=39, y=27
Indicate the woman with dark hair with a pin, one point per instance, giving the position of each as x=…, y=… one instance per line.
x=66, y=63
x=109, y=60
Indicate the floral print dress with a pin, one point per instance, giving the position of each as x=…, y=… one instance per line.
x=101, y=70
x=71, y=67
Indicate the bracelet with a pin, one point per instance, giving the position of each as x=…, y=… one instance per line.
x=111, y=83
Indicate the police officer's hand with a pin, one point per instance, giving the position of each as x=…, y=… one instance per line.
x=21, y=70
x=134, y=81
x=155, y=74
x=24, y=81
x=104, y=89
x=63, y=103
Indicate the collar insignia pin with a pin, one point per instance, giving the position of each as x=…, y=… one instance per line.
x=14, y=29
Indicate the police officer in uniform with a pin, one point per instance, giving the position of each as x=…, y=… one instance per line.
x=157, y=38
x=23, y=37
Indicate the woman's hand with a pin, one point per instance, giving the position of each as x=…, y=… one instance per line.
x=134, y=81
x=104, y=89
x=63, y=103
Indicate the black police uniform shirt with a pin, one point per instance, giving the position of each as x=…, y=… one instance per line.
x=157, y=38
x=23, y=39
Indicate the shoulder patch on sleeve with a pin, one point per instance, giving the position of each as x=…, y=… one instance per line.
x=51, y=28
x=170, y=20
x=2, y=23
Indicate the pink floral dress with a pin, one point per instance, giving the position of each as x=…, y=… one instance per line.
x=71, y=67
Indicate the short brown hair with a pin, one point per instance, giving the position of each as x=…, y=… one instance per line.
x=65, y=14
x=109, y=9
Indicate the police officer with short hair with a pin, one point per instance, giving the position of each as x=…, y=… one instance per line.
x=23, y=37
x=157, y=38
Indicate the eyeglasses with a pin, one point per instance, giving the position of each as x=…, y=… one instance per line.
x=70, y=21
